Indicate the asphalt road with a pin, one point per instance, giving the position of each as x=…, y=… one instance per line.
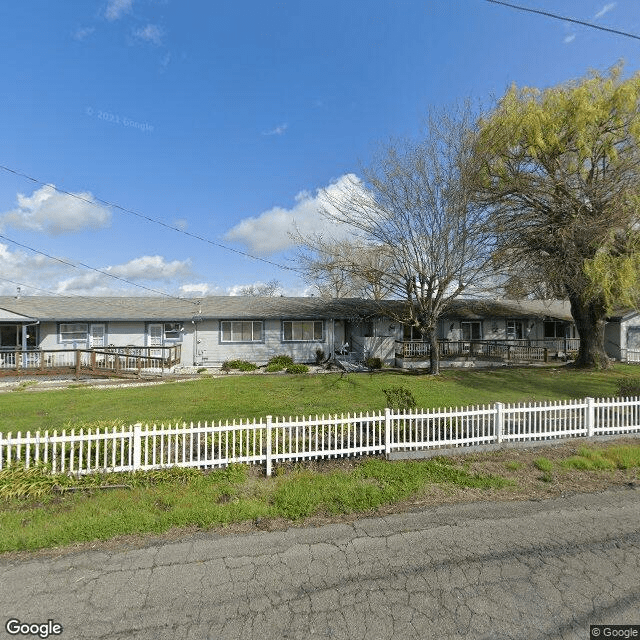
x=485, y=570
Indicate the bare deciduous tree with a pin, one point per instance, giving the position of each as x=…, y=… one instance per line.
x=414, y=207
x=267, y=290
x=342, y=268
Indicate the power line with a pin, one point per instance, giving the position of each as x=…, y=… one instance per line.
x=145, y=217
x=565, y=19
x=115, y=301
x=101, y=271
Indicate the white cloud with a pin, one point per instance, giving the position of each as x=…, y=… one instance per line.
x=151, y=268
x=146, y=269
x=117, y=8
x=278, y=131
x=83, y=33
x=54, y=213
x=605, y=9
x=569, y=38
x=269, y=232
x=151, y=33
x=38, y=274
x=195, y=289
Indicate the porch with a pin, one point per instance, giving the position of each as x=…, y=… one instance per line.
x=541, y=350
x=109, y=361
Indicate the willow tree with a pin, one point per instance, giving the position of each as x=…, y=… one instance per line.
x=560, y=171
x=413, y=207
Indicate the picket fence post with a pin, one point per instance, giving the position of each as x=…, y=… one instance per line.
x=499, y=420
x=269, y=427
x=591, y=413
x=137, y=446
x=387, y=432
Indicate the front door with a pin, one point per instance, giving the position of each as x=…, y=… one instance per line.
x=155, y=339
x=96, y=336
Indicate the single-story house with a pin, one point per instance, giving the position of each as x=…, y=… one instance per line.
x=211, y=330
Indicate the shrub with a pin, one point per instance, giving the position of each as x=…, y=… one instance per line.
x=203, y=370
x=279, y=363
x=629, y=387
x=297, y=368
x=373, y=363
x=240, y=365
x=319, y=356
x=282, y=359
x=399, y=398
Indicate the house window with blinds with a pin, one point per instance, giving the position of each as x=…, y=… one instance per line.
x=241, y=331
x=302, y=331
x=74, y=332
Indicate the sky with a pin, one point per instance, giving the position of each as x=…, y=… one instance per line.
x=175, y=145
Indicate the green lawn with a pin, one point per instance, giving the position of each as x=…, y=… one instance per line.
x=283, y=395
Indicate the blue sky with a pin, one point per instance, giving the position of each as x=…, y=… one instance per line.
x=225, y=119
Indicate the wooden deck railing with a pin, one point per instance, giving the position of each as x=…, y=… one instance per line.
x=106, y=360
x=517, y=350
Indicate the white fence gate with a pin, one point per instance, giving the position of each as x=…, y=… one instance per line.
x=268, y=441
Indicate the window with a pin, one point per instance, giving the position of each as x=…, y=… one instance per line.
x=173, y=331
x=554, y=329
x=241, y=331
x=515, y=330
x=302, y=330
x=471, y=330
x=74, y=332
x=412, y=334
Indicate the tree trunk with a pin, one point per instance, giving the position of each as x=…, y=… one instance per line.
x=434, y=353
x=590, y=319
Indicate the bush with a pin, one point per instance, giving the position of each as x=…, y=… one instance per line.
x=629, y=387
x=373, y=363
x=279, y=363
x=240, y=365
x=319, y=356
x=399, y=398
x=282, y=359
x=298, y=368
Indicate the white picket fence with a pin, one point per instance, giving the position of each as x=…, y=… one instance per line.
x=268, y=441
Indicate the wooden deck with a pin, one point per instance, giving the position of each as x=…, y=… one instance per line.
x=123, y=362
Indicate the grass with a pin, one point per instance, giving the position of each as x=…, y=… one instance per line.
x=254, y=396
x=591, y=459
x=158, y=501
x=39, y=510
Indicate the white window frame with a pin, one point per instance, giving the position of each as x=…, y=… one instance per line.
x=297, y=329
x=470, y=324
x=235, y=336
x=513, y=335
x=79, y=333
x=557, y=324
x=172, y=331
x=414, y=334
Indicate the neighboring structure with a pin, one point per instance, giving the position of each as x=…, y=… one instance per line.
x=212, y=330
x=622, y=335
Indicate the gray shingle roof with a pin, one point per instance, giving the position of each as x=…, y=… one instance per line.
x=89, y=308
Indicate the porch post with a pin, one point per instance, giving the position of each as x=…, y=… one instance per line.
x=24, y=345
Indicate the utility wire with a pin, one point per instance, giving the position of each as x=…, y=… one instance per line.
x=116, y=301
x=145, y=217
x=565, y=19
x=101, y=271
